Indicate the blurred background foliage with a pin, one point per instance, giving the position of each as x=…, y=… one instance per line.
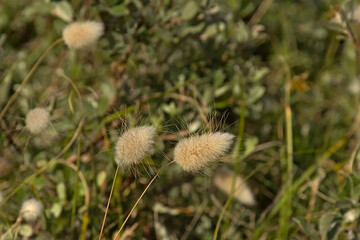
x=185, y=67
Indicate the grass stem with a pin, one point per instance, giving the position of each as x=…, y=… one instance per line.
x=109, y=200
x=142, y=194
x=285, y=212
x=238, y=150
x=27, y=77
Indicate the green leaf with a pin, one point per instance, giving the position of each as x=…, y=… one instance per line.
x=56, y=209
x=247, y=10
x=25, y=230
x=109, y=2
x=100, y=178
x=222, y=90
x=356, y=194
x=64, y=11
x=307, y=228
x=325, y=223
x=242, y=32
x=170, y=108
x=259, y=74
x=250, y=144
x=255, y=94
x=190, y=10
x=221, y=104
x=61, y=191
x=192, y=29
x=212, y=30
x=119, y=10
x=219, y=78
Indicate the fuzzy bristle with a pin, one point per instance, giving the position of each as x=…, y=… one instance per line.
x=134, y=145
x=223, y=180
x=82, y=34
x=31, y=209
x=37, y=120
x=196, y=152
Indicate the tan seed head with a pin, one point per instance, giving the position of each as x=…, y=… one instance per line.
x=37, y=120
x=196, y=152
x=134, y=145
x=82, y=34
x=31, y=210
x=223, y=180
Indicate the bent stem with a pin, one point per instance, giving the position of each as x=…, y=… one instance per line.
x=109, y=200
x=27, y=77
x=143, y=193
x=50, y=163
x=75, y=195
x=18, y=221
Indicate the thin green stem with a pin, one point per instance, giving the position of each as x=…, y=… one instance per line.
x=237, y=164
x=300, y=181
x=49, y=164
x=296, y=186
x=62, y=74
x=87, y=196
x=223, y=210
x=27, y=77
x=75, y=196
x=285, y=213
x=143, y=193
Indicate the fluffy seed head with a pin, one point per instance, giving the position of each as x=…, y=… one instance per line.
x=82, y=34
x=31, y=210
x=351, y=216
x=196, y=152
x=134, y=145
x=223, y=181
x=37, y=120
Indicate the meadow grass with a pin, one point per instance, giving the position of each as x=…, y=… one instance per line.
x=280, y=81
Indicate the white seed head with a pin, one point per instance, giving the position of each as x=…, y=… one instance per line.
x=356, y=14
x=354, y=86
x=223, y=181
x=133, y=145
x=196, y=152
x=37, y=120
x=351, y=215
x=31, y=210
x=82, y=34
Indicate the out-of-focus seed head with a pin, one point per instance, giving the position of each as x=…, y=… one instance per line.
x=31, y=210
x=82, y=34
x=37, y=120
x=223, y=180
